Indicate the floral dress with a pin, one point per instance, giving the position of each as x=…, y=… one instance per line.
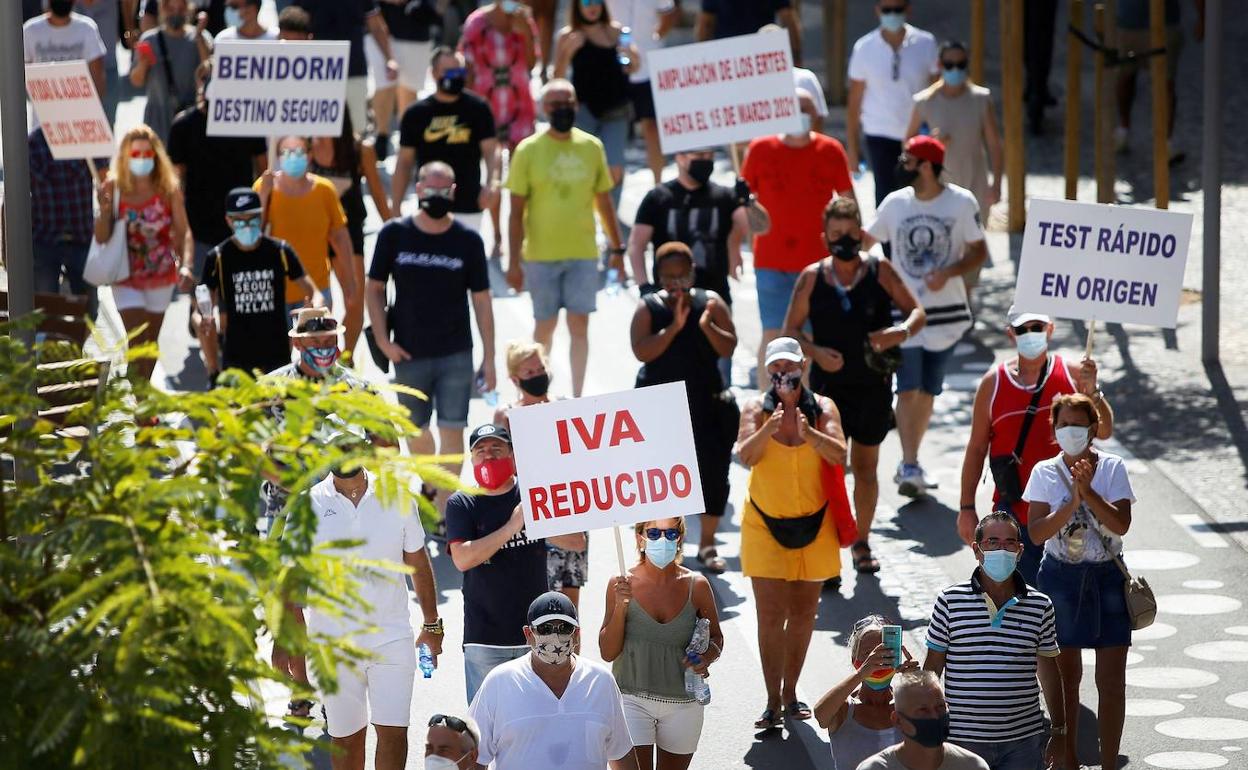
x=149, y=241
x=501, y=74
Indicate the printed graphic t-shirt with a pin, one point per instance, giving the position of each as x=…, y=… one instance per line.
x=451, y=132
x=250, y=286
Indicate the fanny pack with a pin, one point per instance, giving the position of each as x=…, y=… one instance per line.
x=1004, y=468
x=796, y=532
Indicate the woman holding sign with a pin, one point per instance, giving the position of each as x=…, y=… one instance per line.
x=791, y=439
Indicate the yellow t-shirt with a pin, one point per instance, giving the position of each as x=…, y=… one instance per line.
x=559, y=180
x=305, y=222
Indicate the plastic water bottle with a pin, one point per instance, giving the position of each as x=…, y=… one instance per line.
x=613, y=286
x=203, y=300
x=862, y=169
x=490, y=397
x=626, y=39
x=695, y=683
x=424, y=659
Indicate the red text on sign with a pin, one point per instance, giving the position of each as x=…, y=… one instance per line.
x=623, y=490
x=623, y=427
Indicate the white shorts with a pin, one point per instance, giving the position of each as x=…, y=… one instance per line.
x=380, y=688
x=357, y=103
x=673, y=727
x=152, y=300
x=413, y=60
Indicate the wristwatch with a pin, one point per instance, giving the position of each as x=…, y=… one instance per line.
x=434, y=628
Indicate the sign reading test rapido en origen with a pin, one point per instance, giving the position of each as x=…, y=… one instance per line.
x=274, y=88
x=69, y=110
x=599, y=461
x=723, y=91
x=1093, y=261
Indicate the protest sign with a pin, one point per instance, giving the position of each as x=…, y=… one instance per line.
x=69, y=110
x=724, y=91
x=274, y=88
x=598, y=461
x=1098, y=262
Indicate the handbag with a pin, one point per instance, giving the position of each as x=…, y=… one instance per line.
x=109, y=262
x=1004, y=468
x=374, y=349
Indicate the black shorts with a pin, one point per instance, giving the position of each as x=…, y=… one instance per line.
x=866, y=410
x=643, y=100
x=356, y=231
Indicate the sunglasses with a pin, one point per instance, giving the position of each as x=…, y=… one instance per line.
x=142, y=153
x=893, y=9
x=438, y=192
x=293, y=151
x=454, y=723
x=1035, y=326
x=320, y=325
x=671, y=533
x=244, y=221
x=954, y=65
x=554, y=627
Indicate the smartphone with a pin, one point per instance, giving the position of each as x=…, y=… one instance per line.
x=891, y=638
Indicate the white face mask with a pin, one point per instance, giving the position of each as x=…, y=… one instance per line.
x=1073, y=439
x=1032, y=344
x=434, y=762
x=553, y=649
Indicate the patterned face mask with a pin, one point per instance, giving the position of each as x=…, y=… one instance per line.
x=553, y=649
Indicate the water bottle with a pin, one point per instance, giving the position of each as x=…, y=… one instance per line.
x=924, y=129
x=695, y=684
x=862, y=169
x=203, y=300
x=626, y=39
x=613, y=282
x=424, y=659
x=490, y=397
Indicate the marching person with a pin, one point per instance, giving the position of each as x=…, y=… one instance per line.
x=62, y=220
x=450, y=744
x=922, y=718
x=242, y=22
x=789, y=543
x=646, y=629
x=649, y=21
x=165, y=60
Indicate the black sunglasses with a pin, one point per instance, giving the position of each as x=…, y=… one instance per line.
x=955, y=65
x=320, y=325
x=894, y=9
x=671, y=533
x=454, y=723
x=1034, y=326
x=554, y=627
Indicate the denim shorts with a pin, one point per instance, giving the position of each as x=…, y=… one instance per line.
x=612, y=133
x=1089, y=603
x=446, y=380
x=571, y=284
x=923, y=369
x=774, y=289
x=1018, y=754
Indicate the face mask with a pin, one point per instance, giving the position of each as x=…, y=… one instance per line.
x=905, y=176
x=562, y=119
x=142, y=166
x=893, y=22
x=661, y=552
x=999, y=565
x=452, y=85
x=320, y=360
x=246, y=234
x=435, y=206
x=295, y=164
x=61, y=8
x=1073, y=439
x=784, y=382
x=175, y=21
x=930, y=732
x=880, y=679
x=1032, y=344
x=510, y=6
x=844, y=248
x=233, y=16
x=806, y=122
x=434, y=762
x=494, y=472
x=537, y=385
x=700, y=170
x=553, y=649
x=954, y=77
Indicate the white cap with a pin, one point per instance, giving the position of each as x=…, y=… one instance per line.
x=784, y=349
x=1014, y=317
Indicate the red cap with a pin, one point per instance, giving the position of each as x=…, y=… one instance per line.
x=926, y=148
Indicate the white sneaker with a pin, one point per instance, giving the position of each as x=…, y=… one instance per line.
x=1120, y=139
x=912, y=481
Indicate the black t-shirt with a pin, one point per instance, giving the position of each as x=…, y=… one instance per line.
x=701, y=219
x=451, y=132
x=497, y=592
x=342, y=20
x=251, y=289
x=411, y=21
x=432, y=277
x=214, y=166
x=742, y=17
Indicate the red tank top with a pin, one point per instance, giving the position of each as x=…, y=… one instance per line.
x=1007, y=408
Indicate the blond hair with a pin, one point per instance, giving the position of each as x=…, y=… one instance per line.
x=163, y=177
x=519, y=351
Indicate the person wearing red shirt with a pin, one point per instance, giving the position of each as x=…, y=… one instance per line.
x=1001, y=405
x=793, y=176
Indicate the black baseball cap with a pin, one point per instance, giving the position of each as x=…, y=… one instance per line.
x=488, y=431
x=552, y=605
x=242, y=200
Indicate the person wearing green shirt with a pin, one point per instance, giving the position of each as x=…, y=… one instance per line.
x=556, y=180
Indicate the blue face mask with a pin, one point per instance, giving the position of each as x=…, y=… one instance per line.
x=246, y=233
x=893, y=22
x=233, y=16
x=1032, y=344
x=142, y=166
x=320, y=360
x=954, y=77
x=295, y=164
x=661, y=552
x=999, y=565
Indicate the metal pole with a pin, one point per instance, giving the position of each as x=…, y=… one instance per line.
x=1012, y=92
x=1074, y=94
x=1211, y=184
x=19, y=252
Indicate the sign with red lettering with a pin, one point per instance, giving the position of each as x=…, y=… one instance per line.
x=724, y=91
x=69, y=110
x=599, y=461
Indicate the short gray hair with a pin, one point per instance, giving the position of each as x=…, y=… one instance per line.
x=908, y=681
x=435, y=167
x=557, y=84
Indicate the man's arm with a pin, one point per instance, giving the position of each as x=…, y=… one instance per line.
x=638, y=239
x=467, y=554
x=740, y=231
x=788, y=19
x=973, y=459
x=483, y=309
x=853, y=123
x=515, y=243
x=426, y=596
x=402, y=177
x=667, y=20
x=935, y=661
x=381, y=34
x=704, y=27
x=610, y=223
x=96, y=67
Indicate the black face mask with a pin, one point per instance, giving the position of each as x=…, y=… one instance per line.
x=931, y=731
x=905, y=176
x=537, y=385
x=844, y=248
x=435, y=206
x=452, y=85
x=61, y=8
x=700, y=169
x=562, y=119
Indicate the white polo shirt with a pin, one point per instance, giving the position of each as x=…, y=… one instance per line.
x=888, y=102
x=387, y=533
x=642, y=17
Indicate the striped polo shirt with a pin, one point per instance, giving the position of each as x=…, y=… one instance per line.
x=990, y=659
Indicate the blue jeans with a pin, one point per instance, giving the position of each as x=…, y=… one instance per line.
x=882, y=154
x=56, y=258
x=479, y=661
x=1020, y=754
x=774, y=289
x=447, y=383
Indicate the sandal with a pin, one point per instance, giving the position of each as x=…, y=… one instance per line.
x=864, y=562
x=798, y=710
x=771, y=719
x=711, y=561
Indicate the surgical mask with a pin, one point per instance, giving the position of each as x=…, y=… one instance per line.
x=880, y=679
x=320, y=360
x=661, y=552
x=784, y=382
x=295, y=164
x=233, y=16
x=175, y=20
x=434, y=762
x=905, y=176
x=142, y=166
x=562, y=119
x=700, y=169
x=61, y=8
x=954, y=77
x=435, y=206
x=510, y=6
x=806, y=122
x=1073, y=439
x=537, y=385
x=553, y=649
x=999, y=565
x=247, y=234
x=1032, y=344
x=893, y=22
x=494, y=472
x=844, y=248
x=930, y=731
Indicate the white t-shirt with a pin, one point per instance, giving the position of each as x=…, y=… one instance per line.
x=231, y=33
x=804, y=78
x=524, y=726
x=926, y=236
x=956, y=758
x=45, y=42
x=888, y=101
x=387, y=533
x=642, y=18
x=1081, y=539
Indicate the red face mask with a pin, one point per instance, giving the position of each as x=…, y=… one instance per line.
x=494, y=472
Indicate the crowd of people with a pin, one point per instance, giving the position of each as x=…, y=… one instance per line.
x=520, y=116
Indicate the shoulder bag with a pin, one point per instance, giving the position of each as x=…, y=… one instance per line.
x=109, y=262
x=1005, y=468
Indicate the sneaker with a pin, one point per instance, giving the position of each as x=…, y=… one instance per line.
x=1120, y=139
x=912, y=481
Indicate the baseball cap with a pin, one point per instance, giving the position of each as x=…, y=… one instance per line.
x=488, y=431
x=926, y=148
x=1014, y=317
x=552, y=605
x=242, y=200
x=783, y=349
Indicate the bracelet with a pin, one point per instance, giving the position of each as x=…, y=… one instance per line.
x=618, y=250
x=434, y=628
x=966, y=507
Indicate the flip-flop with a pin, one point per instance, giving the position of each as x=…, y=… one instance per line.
x=770, y=720
x=711, y=561
x=798, y=710
x=864, y=562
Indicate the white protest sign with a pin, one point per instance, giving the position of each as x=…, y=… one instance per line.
x=598, y=461
x=1097, y=262
x=724, y=91
x=69, y=110
x=274, y=88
